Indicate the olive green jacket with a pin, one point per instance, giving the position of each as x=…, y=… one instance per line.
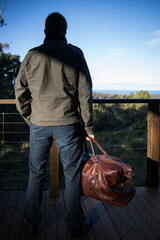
x=54, y=87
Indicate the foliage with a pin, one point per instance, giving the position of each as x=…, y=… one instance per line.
x=121, y=116
x=141, y=94
x=9, y=66
x=2, y=9
x=115, y=116
x=100, y=95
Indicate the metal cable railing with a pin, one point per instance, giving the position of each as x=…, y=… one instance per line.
x=118, y=134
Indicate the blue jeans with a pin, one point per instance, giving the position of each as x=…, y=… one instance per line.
x=69, y=141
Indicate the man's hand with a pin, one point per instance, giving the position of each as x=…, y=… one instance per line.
x=92, y=136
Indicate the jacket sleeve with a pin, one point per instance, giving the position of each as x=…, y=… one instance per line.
x=22, y=93
x=85, y=96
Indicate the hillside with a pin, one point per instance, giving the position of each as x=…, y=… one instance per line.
x=140, y=94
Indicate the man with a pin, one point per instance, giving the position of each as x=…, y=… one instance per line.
x=54, y=95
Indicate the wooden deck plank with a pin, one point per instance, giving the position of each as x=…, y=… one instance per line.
x=154, y=199
x=129, y=223
x=4, y=197
x=106, y=222
x=3, y=202
x=8, y=215
x=17, y=218
x=139, y=219
x=150, y=207
x=118, y=223
x=147, y=217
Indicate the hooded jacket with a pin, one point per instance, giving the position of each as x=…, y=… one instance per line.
x=54, y=87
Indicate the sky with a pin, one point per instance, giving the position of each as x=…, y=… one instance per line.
x=120, y=39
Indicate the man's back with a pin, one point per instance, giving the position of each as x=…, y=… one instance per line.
x=53, y=71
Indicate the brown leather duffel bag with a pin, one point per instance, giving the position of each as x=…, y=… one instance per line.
x=107, y=178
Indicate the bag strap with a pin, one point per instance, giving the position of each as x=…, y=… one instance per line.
x=94, y=155
x=93, y=140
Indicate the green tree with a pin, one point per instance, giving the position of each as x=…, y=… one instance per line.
x=141, y=94
x=9, y=66
x=2, y=9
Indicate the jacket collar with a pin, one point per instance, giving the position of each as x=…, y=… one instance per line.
x=55, y=37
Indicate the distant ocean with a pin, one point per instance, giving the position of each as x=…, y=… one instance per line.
x=124, y=92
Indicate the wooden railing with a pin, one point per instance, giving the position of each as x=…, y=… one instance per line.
x=153, y=131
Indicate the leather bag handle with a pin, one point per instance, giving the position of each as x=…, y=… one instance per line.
x=93, y=140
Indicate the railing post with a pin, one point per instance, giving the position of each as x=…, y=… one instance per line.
x=54, y=171
x=3, y=126
x=3, y=139
x=153, y=147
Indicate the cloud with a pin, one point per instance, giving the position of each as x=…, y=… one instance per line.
x=126, y=75
x=115, y=52
x=157, y=33
x=155, y=40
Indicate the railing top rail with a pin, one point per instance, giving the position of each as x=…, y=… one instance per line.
x=7, y=101
x=108, y=100
x=127, y=100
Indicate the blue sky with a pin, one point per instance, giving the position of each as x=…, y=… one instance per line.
x=120, y=38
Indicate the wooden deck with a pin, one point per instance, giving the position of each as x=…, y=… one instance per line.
x=138, y=220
